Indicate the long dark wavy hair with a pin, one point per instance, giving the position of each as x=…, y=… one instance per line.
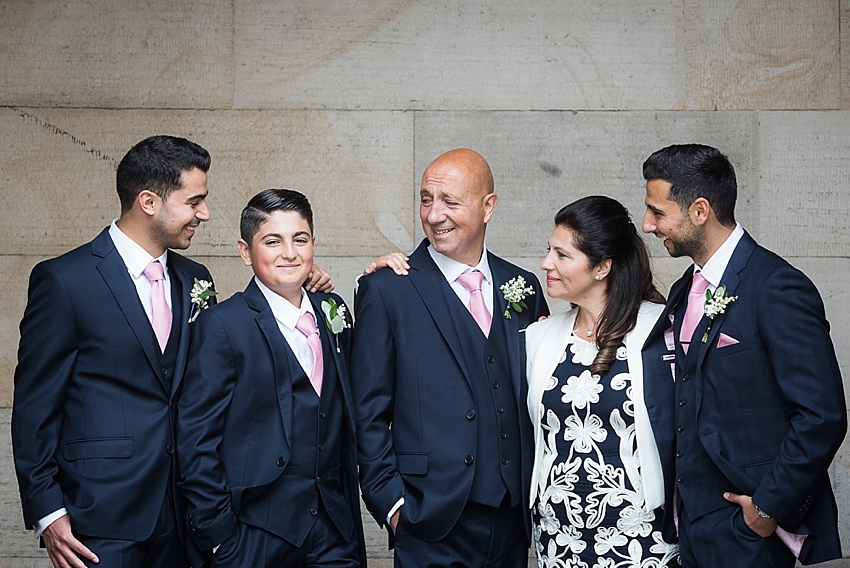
x=601, y=229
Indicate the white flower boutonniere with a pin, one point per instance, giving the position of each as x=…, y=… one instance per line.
x=200, y=293
x=715, y=304
x=335, y=318
x=515, y=291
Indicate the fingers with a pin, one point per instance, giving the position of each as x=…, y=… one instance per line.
x=395, y=260
x=63, y=547
x=319, y=281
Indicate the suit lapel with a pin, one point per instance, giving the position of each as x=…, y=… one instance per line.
x=511, y=326
x=114, y=272
x=180, y=287
x=737, y=263
x=280, y=351
x=431, y=286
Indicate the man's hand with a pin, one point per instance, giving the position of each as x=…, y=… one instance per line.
x=760, y=525
x=394, y=260
x=394, y=520
x=63, y=548
x=319, y=281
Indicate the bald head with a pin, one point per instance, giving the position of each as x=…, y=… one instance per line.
x=456, y=203
x=465, y=164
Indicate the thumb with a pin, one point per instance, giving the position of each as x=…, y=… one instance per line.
x=733, y=498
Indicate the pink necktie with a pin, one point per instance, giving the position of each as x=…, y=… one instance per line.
x=160, y=312
x=472, y=282
x=696, y=304
x=307, y=325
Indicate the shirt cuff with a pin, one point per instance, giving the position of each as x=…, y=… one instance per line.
x=395, y=508
x=45, y=522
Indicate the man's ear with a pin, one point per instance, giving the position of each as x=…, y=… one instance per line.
x=148, y=201
x=490, y=201
x=244, y=252
x=699, y=211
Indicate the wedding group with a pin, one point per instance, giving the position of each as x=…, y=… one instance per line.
x=156, y=425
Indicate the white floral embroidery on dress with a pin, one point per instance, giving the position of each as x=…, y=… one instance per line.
x=613, y=486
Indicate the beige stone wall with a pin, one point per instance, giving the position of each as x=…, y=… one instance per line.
x=349, y=101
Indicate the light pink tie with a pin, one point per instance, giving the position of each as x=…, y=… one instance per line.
x=694, y=311
x=472, y=282
x=160, y=312
x=307, y=325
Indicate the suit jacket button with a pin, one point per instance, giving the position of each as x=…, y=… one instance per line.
x=505, y=461
x=679, y=454
x=500, y=409
x=682, y=402
x=491, y=359
x=495, y=385
x=503, y=435
x=281, y=461
x=321, y=447
x=468, y=460
x=169, y=449
x=680, y=429
x=680, y=479
x=165, y=371
x=314, y=512
x=322, y=415
x=685, y=378
x=470, y=414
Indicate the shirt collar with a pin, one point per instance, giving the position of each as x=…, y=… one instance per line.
x=716, y=265
x=451, y=268
x=283, y=310
x=135, y=257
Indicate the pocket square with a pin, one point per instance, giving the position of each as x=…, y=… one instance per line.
x=725, y=341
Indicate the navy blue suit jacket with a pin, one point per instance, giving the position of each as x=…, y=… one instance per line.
x=235, y=413
x=771, y=411
x=412, y=392
x=92, y=421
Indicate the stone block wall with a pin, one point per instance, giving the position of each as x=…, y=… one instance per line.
x=349, y=101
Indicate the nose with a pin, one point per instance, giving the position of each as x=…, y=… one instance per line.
x=436, y=213
x=648, y=225
x=203, y=212
x=546, y=262
x=287, y=250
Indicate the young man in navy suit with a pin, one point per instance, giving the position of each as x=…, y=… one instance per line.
x=755, y=412
x=266, y=429
x=444, y=440
x=103, y=346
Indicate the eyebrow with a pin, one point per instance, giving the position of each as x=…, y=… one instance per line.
x=279, y=236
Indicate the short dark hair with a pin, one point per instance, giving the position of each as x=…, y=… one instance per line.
x=156, y=164
x=267, y=202
x=694, y=171
x=601, y=229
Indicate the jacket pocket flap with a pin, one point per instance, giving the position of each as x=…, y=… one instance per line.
x=412, y=464
x=99, y=448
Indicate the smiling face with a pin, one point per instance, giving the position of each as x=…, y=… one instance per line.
x=281, y=254
x=456, y=203
x=569, y=275
x=177, y=217
x=665, y=220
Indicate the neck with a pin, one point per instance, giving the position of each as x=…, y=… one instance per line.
x=716, y=235
x=139, y=234
x=587, y=320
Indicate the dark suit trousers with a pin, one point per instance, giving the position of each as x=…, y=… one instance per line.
x=163, y=549
x=484, y=537
x=252, y=547
x=722, y=538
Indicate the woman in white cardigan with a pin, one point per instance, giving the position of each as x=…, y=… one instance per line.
x=597, y=482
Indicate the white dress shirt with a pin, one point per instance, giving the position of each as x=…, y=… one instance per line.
x=287, y=316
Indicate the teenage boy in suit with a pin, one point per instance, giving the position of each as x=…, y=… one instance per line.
x=266, y=429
